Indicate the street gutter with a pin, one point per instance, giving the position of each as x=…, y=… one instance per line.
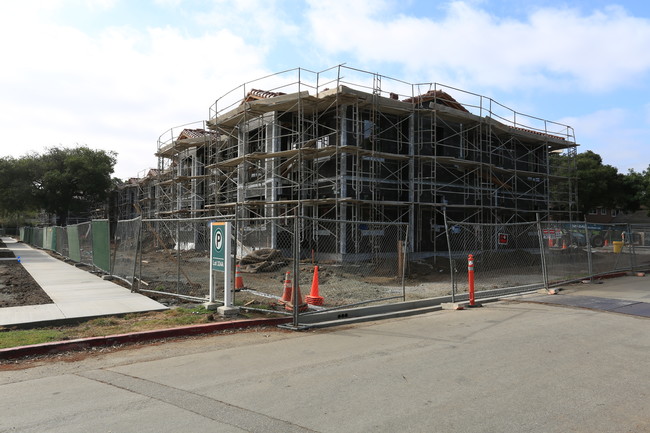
x=135, y=337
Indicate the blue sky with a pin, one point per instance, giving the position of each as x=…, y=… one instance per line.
x=116, y=74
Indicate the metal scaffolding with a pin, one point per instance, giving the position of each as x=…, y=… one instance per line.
x=345, y=145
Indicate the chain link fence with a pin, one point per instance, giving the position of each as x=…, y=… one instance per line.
x=579, y=250
x=75, y=242
x=174, y=257
x=265, y=252
x=85, y=240
x=125, y=247
x=505, y=256
x=61, y=242
x=358, y=262
x=526, y=256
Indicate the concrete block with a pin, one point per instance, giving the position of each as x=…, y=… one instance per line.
x=453, y=305
x=549, y=291
x=211, y=305
x=228, y=311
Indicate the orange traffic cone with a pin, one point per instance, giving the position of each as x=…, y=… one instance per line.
x=564, y=245
x=287, y=291
x=550, y=243
x=302, y=306
x=314, y=298
x=606, y=243
x=239, y=281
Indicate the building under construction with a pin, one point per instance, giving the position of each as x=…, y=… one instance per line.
x=350, y=146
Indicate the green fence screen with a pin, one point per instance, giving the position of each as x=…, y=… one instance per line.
x=74, y=252
x=49, y=240
x=101, y=245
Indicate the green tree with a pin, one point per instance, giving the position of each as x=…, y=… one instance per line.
x=16, y=194
x=601, y=185
x=72, y=180
x=562, y=187
x=60, y=181
x=639, y=186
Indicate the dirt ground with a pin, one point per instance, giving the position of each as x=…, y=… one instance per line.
x=340, y=286
x=340, y=283
x=17, y=287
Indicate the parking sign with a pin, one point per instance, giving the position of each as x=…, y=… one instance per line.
x=220, y=246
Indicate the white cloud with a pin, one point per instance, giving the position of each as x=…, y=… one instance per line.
x=553, y=46
x=262, y=22
x=168, y=3
x=100, y=4
x=117, y=91
x=617, y=135
x=119, y=87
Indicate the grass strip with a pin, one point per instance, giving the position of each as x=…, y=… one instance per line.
x=111, y=325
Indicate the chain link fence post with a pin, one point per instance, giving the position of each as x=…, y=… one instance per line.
x=590, y=258
x=296, y=269
x=632, y=251
x=451, y=261
x=542, y=251
x=403, y=258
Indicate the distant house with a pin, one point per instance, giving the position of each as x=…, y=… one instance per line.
x=634, y=225
x=604, y=215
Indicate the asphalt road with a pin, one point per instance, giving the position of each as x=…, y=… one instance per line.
x=506, y=367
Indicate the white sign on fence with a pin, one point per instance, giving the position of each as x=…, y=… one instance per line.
x=551, y=233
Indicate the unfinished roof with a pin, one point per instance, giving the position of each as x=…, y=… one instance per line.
x=257, y=94
x=539, y=133
x=186, y=139
x=257, y=107
x=193, y=133
x=439, y=97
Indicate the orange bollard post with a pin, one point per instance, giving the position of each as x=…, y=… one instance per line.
x=314, y=297
x=286, y=293
x=239, y=281
x=470, y=280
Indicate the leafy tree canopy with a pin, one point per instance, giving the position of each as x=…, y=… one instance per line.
x=601, y=185
x=59, y=181
x=639, y=185
x=15, y=185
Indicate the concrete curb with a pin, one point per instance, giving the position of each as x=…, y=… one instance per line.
x=85, y=343
x=136, y=337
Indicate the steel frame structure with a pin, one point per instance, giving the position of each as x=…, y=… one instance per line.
x=349, y=145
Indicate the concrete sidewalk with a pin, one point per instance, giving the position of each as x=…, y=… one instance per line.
x=76, y=293
x=623, y=295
